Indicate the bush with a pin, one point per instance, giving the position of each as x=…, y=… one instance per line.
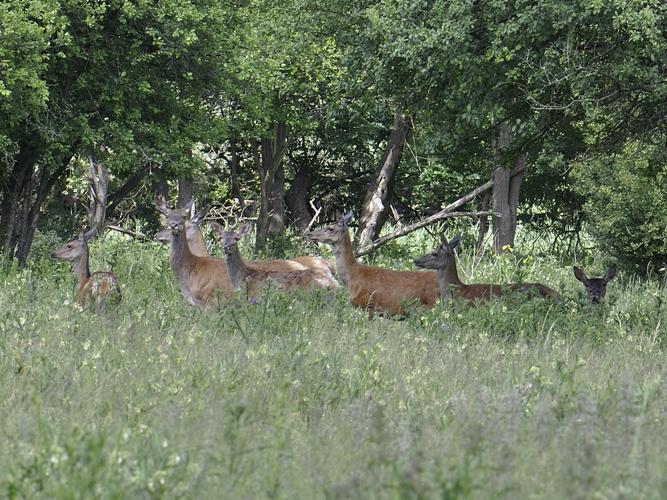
x=626, y=204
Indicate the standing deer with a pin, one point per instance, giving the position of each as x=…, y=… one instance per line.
x=444, y=261
x=322, y=267
x=374, y=288
x=98, y=288
x=255, y=277
x=202, y=280
x=596, y=288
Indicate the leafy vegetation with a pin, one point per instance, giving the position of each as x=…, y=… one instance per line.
x=302, y=396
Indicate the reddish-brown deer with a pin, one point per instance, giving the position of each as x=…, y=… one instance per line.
x=443, y=260
x=202, y=280
x=374, y=288
x=596, y=288
x=322, y=267
x=99, y=288
x=193, y=234
x=252, y=277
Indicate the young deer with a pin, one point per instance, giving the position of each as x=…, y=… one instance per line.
x=255, y=277
x=374, y=288
x=444, y=260
x=596, y=288
x=202, y=280
x=98, y=288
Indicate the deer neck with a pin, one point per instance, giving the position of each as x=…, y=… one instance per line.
x=448, y=280
x=236, y=268
x=81, y=268
x=181, y=257
x=346, y=263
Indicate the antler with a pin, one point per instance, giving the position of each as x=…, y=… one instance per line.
x=161, y=204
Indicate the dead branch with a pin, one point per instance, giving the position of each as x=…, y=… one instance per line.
x=140, y=236
x=442, y=214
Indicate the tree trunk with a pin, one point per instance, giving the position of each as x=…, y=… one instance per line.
x=378, y=197
x=184, y=191
x=99, y=187
x=297, y=198
x=271, y=218
x=506, y=191
x=483, y=206
x=234, y=164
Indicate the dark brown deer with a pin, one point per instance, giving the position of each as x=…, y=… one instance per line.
x=99, y=288
x=374, y=288
x=443, y=260
x=596, y=288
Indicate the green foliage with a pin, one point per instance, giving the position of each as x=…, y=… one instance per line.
x=626, y=204
x=302, y=396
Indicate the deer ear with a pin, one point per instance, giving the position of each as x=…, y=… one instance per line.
x=199, y=216
x=580, y=274
x=455, y=242
x=347, y=218
x=243, y=230
x=188, y=205
x=217, y=228
x=609, y=274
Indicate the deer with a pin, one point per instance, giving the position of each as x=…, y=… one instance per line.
x=255, y=277
x=596, y=288
x=99, y=288
x=193, y=234
x=375, y=289
x=450, y=285
x=323, y=267
x=202, y=280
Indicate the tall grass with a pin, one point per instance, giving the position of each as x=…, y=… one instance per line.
x=302, y=396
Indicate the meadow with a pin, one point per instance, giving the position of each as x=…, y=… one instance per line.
x=302, y=396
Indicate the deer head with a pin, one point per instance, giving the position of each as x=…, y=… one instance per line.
x=176, y=217
x=73, y=250
x=596, y=288
x=333, y=233
x=441, y=257
x=230, y=239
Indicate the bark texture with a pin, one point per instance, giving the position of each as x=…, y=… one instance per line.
x=378, y=197
x=297, y=198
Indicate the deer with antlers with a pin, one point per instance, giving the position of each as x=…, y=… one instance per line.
x=374, y=288
x=99, y=288
x=596, y=288
x=443, y=260
x=254, y=277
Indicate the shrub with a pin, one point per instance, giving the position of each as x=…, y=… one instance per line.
x=626, y=204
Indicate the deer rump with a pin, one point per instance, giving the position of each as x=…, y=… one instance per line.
x=101, y=286
x=387, y=291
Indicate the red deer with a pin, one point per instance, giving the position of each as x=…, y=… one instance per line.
x=374, y=288
x=202, y=280
x=99, y=288
x=324, y=268
x=444, y=261
x=252, y=276
x=596, y=288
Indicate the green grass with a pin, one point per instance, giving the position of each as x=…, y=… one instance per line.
x=302, y=396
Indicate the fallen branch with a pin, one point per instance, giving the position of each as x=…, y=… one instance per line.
x=140, y=236
x=442, y=214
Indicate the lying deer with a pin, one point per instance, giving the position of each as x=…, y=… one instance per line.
x=324, y=268
x=253, y=277
x=596, y=288
x=98, y=288
x=202, y=280
x=444, y=260
x=374, y=288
